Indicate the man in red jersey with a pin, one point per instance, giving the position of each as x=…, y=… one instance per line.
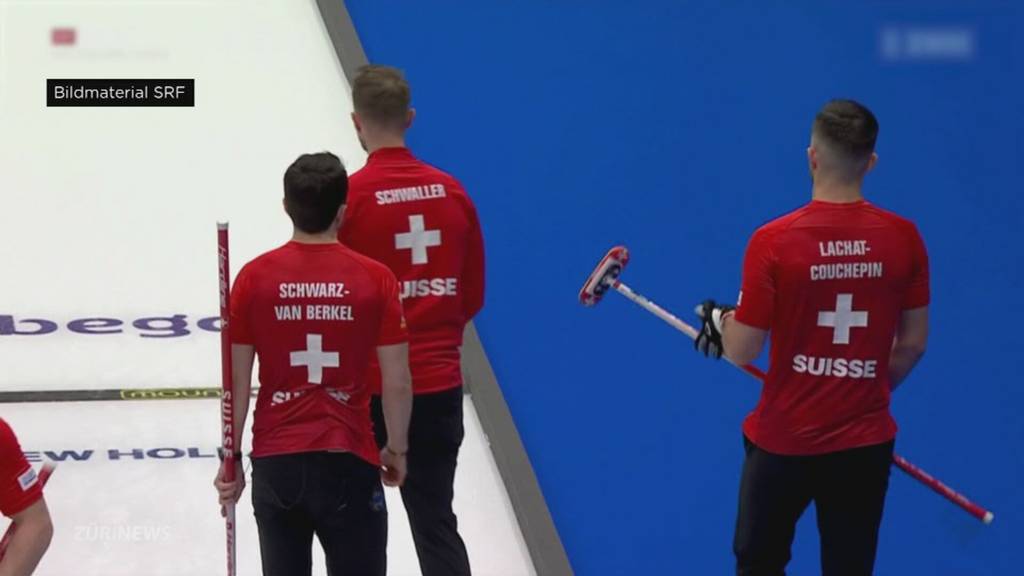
x=21, y=500
x=419, y=221
x=841, y=286
x=315, y=313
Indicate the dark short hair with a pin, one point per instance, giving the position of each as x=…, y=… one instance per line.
x=381, y=95
x=848, y=128
x=315, y=187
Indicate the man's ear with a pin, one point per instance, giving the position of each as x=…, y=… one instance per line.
x=812, y=157
x=409, y=117
x=340, y=217
x=871, y=162
x=356, y=123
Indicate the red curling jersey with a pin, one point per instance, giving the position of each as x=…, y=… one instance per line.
x=315, y=314
x=829, y=281
x=19, y=482
x=419, y=222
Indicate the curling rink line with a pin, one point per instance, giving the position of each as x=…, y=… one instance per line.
x=119, y=515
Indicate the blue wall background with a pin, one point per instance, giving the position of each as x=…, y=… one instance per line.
x=676, y=128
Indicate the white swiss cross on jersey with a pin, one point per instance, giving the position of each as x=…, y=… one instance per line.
x=842, y=319
x=315, y=359
x=418, y=239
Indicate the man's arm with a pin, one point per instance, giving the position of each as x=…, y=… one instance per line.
x=909, y=345
x=396, y=394
x=396, y=400
x=912, y=332
x=30, y=540
x=740, y=333
x=242, y=356
x=742, y=344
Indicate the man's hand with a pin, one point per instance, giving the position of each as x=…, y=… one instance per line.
x=229, y=492
x=393, y=467
x=709, y=340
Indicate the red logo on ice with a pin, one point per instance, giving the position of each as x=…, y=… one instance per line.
x=63, y=36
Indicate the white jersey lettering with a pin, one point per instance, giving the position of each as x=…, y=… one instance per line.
x=844, y=248
x=429, y=287
x=329, y=312
x=410, y=194
x=312, y=290
x=846, y=270
x=288, y=312
x=856, y=368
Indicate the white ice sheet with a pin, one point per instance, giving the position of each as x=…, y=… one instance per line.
x=158, y=515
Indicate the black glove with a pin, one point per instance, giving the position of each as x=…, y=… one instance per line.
x=709, y=340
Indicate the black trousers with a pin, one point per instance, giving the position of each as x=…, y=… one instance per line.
x=336, y=496
x=435, y=435
x=848, y=490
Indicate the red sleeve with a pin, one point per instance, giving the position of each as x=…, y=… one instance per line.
x=473, y=267
x=19, y=483
x=918, y=293
x=757, y=295
x=239, y=322
x=392, y=327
